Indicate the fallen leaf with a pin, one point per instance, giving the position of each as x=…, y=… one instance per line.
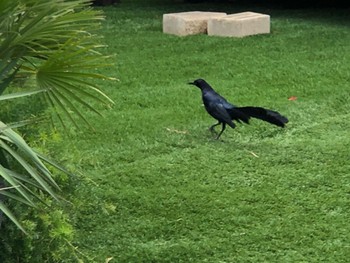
x=108, y=259
x=293, y=98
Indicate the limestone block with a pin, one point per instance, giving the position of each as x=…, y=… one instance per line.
x=188, y=23
x=239, y=25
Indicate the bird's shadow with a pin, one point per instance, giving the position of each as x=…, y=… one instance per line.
x=239, y=136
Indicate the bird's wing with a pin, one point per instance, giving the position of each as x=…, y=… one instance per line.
x=232, y=111
x=219, y=112
x=224, y=102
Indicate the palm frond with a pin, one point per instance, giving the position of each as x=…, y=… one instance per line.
x=4, y=173
x=35, y=174
x=25, y=155
x=9, y=214
x=55, y=43
x=20, y=94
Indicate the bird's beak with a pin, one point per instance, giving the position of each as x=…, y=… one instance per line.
x=191, y=83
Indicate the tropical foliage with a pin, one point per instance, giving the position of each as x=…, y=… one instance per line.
x=49, y=49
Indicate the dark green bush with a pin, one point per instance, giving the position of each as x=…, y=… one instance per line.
x=48, y=239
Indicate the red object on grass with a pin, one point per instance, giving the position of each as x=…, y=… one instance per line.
x=293, y=98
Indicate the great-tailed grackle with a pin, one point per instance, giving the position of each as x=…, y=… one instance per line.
x=224, y=112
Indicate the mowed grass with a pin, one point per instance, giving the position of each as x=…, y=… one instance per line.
x=158, y=188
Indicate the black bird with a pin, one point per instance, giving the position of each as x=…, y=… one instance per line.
x=219, y=108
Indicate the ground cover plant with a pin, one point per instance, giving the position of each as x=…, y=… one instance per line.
x=155, y=185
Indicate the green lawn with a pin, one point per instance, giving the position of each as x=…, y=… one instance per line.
x=158, y=188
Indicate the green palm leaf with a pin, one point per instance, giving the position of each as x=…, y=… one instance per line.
x=57, y=46
x=36, y=175
x=9, y=214
x=20, y=94
x=27, y=158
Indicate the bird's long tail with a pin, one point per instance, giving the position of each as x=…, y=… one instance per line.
x=264, y=114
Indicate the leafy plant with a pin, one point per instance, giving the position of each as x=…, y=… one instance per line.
x=50, y=47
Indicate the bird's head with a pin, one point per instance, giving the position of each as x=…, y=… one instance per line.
x=200, y=83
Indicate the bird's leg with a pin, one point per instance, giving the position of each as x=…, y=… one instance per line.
x=211, y=129
x=222, y=130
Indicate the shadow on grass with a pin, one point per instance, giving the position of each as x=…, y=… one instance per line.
x=322, y=11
